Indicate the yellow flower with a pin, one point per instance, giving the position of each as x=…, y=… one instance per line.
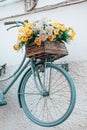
x=16, y=46
x=37, y=41
x=24, y=38
x=19, y=36
x=27, y=25
x=28, y=31
x=21, y=29
x=51, y=37
x=72, y=35
x=56, y=31
x=54, y=23
x=70, y=28
x=62, y=27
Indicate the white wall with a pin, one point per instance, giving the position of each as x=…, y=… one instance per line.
x=74, y=16
x=11, y=7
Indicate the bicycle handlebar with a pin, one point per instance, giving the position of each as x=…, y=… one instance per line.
x=13, y=22
x=17, y=24
x=10, y=22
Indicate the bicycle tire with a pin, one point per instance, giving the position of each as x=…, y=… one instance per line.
x=63, y=92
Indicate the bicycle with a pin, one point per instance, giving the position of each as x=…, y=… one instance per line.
x=46, y=91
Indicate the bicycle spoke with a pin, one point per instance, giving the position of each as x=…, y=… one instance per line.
x=29, y=94
x=54, y=104
x=35, y=106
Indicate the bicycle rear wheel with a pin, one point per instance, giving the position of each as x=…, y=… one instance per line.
x=53, y=108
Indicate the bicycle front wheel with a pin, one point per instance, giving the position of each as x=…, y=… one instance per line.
x=54, y=107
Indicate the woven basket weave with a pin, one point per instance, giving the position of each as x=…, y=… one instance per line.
x=48, y=49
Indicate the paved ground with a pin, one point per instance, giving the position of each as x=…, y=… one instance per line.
x=12, y=116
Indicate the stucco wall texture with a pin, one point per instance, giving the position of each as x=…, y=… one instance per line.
x=12, y=116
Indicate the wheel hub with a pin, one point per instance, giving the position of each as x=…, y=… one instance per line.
x=45, y=94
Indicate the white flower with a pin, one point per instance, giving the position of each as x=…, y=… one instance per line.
x=49, y=30
x=43, y=35
x=37, y=25
x=45, y=21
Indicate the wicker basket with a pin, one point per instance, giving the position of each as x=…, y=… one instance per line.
x=48, y=49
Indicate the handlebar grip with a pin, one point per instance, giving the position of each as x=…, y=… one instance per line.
x=10, y=22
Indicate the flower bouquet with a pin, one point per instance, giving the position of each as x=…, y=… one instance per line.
x=44, y=38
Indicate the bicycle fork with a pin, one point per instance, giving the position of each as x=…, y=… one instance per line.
x=37, y=79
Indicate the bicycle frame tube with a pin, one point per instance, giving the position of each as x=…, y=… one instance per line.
x=18, y=73
x=20, y=69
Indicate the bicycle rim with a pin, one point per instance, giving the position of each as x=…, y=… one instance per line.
x=55, y=108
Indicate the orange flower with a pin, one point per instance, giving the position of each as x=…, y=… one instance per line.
x=37, y=41
x=24, y=38
x=16, y=46
x=51, y=37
